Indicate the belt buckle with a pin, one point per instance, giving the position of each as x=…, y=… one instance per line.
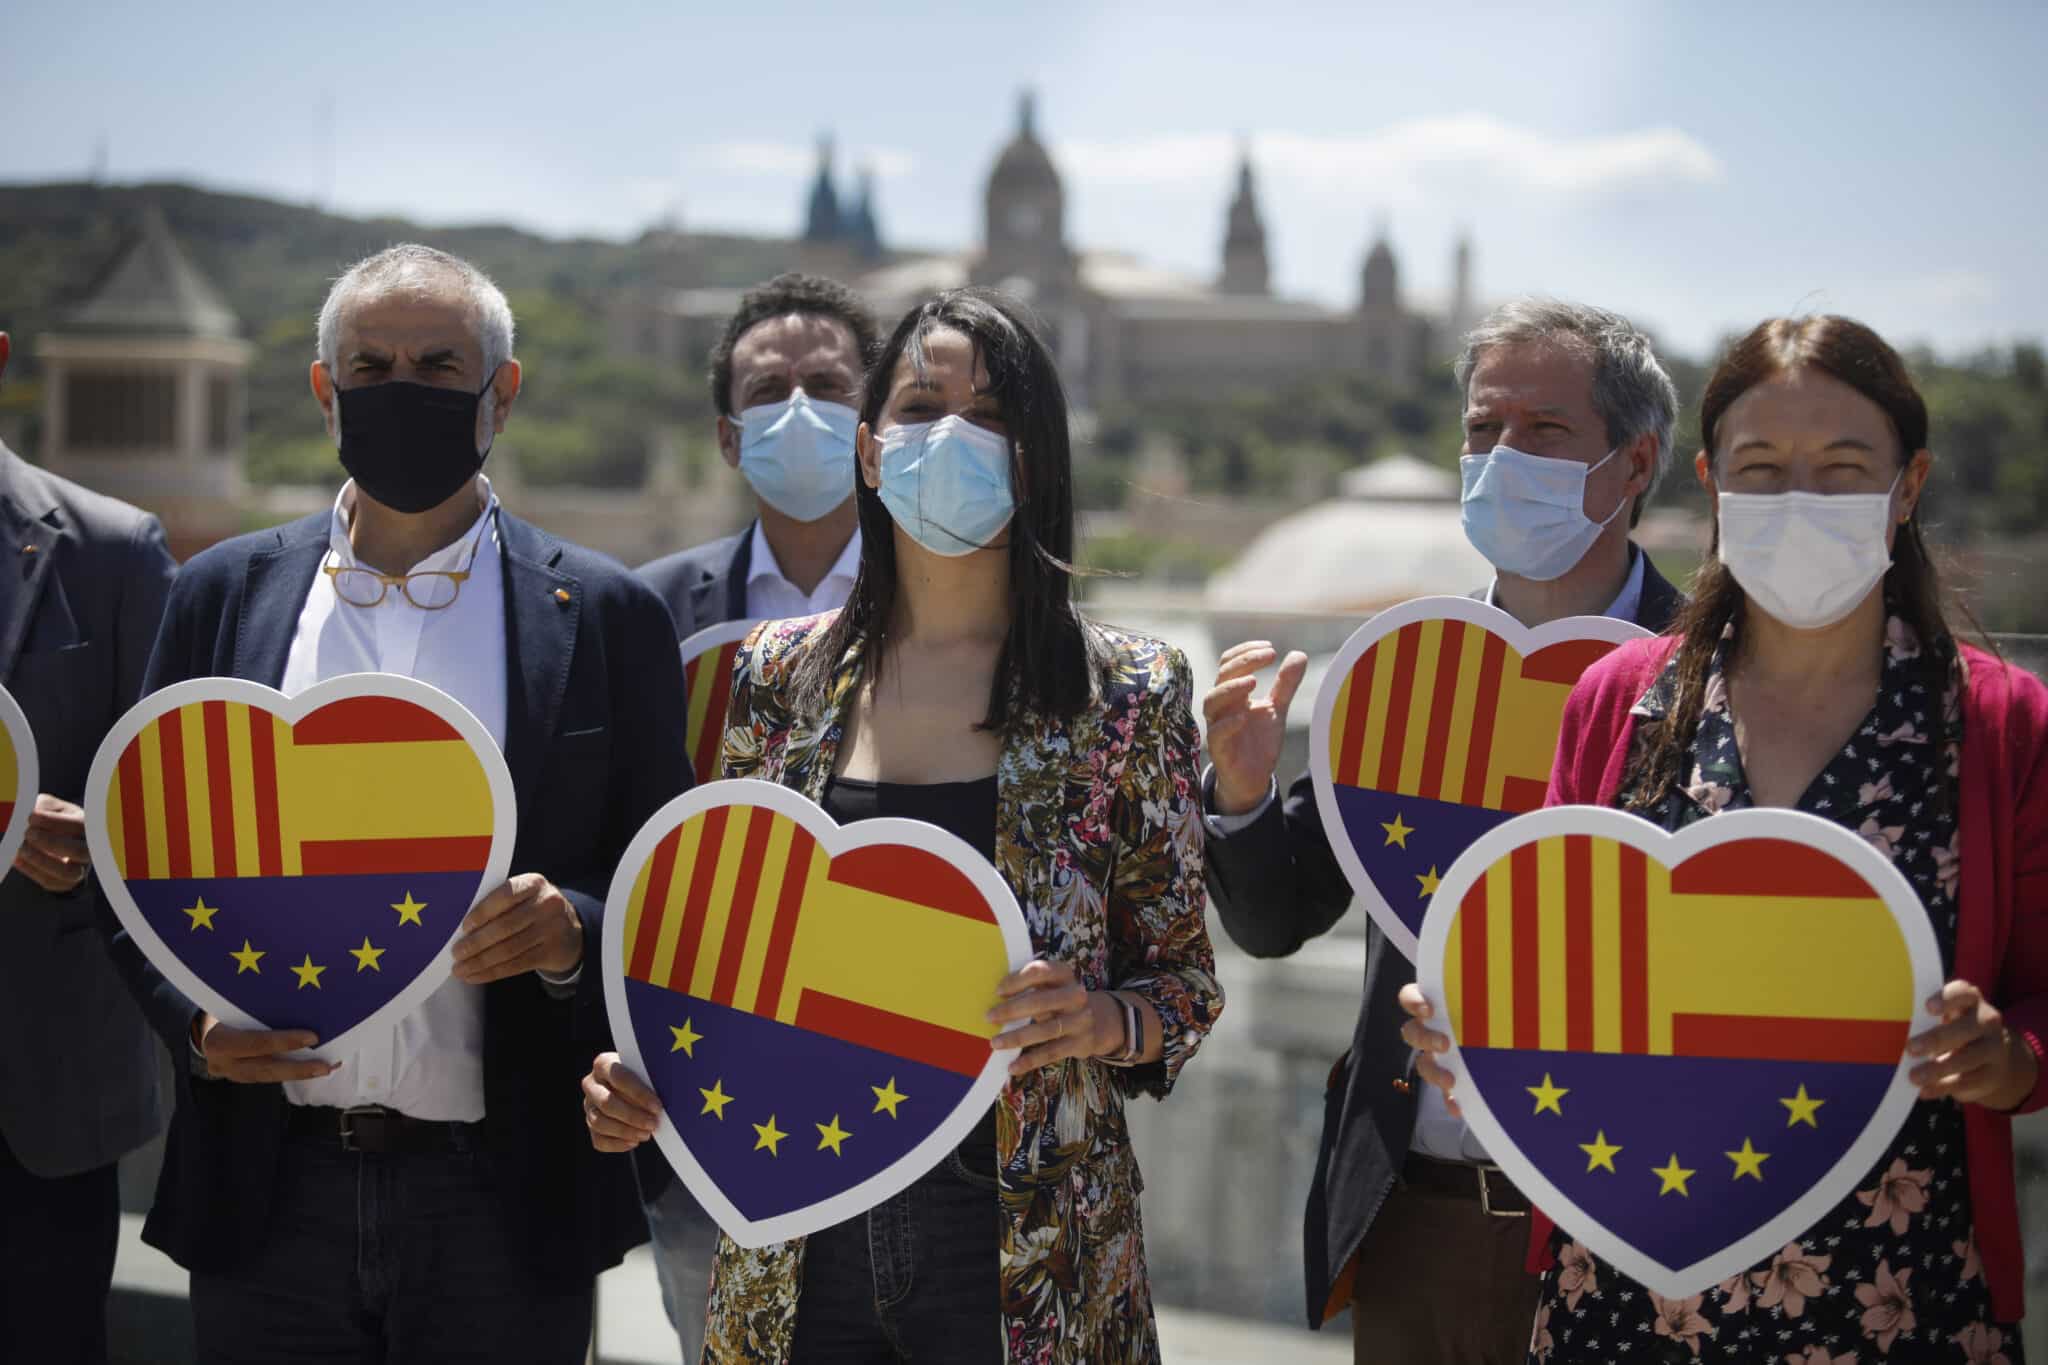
x=1486, y=1196
x=348, y=1127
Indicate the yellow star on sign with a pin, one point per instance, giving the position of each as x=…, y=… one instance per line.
x=687, y=1039
x=366, y=957
x=1430, y=881
x=715, y=1099
x=887, y=1097
x=409, y=910
x=1674, y=1177
x=1547, y=1096
x=246, y=960
x=1803, y=1109
x=1397, y=833
x=308, y=974
x=768, y=1135
x=830, y=1135
x=1600, y=1153
x=1748, y=1161
x=202, y=914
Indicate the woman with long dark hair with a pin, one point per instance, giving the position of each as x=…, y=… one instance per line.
x=1816, y=669
x=960, y=686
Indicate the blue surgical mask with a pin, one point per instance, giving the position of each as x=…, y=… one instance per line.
x=1527, y=513
x=798, y=454
x=947, y=483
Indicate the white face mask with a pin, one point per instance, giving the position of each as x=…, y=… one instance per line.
x=1527, y=513
x=1807, y=559
x=947, y=483
x=798, y=454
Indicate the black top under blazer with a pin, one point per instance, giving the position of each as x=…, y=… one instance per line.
x=594, y=742
x=1275, y=885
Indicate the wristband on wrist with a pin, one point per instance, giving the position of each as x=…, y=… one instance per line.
x=1134, y=1034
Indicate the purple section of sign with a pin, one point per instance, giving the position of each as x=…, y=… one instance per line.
x=1426, y=839
x=768, y=1072
x=244, y=935
x=1699, y=1110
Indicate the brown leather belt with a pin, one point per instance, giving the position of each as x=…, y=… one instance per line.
x=379, y=1131
x=1496, y=1196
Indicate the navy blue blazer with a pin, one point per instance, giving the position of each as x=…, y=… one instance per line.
x=705, y=585
x=595, y=743
x=82, y=586
x=1275, y=885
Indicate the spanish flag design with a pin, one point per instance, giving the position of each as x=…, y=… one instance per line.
x=1683, y=1050
x=307, y=871
x=1436, y=729
x=807, y=1017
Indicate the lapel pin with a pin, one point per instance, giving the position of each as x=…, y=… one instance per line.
x=562, y=596
x=28, y=549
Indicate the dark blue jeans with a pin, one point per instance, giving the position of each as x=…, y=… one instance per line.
x=387, y=1260
x=915, y=1279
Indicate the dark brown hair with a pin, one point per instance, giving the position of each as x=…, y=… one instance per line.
x=1843, y=349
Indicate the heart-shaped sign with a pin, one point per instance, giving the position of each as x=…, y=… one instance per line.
x=707, y=686
x=300, y=862
x=807, y=1000
x=20, y=779
x=1684, y=1048
x=1436, y=722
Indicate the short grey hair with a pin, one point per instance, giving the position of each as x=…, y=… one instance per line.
x=411, y=267
x=1632, y=393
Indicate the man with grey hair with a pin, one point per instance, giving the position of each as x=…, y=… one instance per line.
x=1568, y=419
x=432, y=1196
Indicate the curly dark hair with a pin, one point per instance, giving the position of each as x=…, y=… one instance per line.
x=791, y=292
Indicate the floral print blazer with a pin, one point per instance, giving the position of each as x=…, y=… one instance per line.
x=1099, y=835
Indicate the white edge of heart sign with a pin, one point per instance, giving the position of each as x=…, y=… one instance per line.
x=1522, y=639
x=834, y=839
x=27, y=779
x=292, y=709
x=717, y=637
x=1670, y=850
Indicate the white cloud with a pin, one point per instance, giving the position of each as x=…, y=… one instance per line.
x=792, y=160
x=1470, y=146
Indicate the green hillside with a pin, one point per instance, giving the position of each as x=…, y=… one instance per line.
x=586, y=414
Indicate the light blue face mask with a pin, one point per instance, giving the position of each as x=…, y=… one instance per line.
x=798, y=454
x=947, y=483
x=1527, y=513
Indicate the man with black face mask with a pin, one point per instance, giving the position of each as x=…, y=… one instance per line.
x=433, y=1196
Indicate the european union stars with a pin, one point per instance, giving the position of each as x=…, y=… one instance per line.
x=1397, y=837
x=249, y=958
x=1673, y=1176
x=767, y=1137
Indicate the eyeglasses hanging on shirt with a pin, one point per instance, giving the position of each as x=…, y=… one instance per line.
x=430, y=590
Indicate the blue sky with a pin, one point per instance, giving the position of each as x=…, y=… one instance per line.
x=1698, y=166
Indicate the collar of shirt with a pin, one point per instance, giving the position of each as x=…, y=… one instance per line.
x=448, y=557
x=1624, y=607
x=763, y=566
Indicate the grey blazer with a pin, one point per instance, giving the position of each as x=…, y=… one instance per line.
x=82, y=586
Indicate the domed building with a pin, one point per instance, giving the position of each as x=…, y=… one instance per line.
x=1121, y=328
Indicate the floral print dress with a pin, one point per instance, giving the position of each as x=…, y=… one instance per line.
x=1892, y=1273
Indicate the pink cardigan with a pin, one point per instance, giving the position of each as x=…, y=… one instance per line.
x=2002, y=915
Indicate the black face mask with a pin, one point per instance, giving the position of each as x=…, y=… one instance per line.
x=409, y=446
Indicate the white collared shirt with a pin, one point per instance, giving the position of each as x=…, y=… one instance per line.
x=772, y=597
x=430, y=1063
